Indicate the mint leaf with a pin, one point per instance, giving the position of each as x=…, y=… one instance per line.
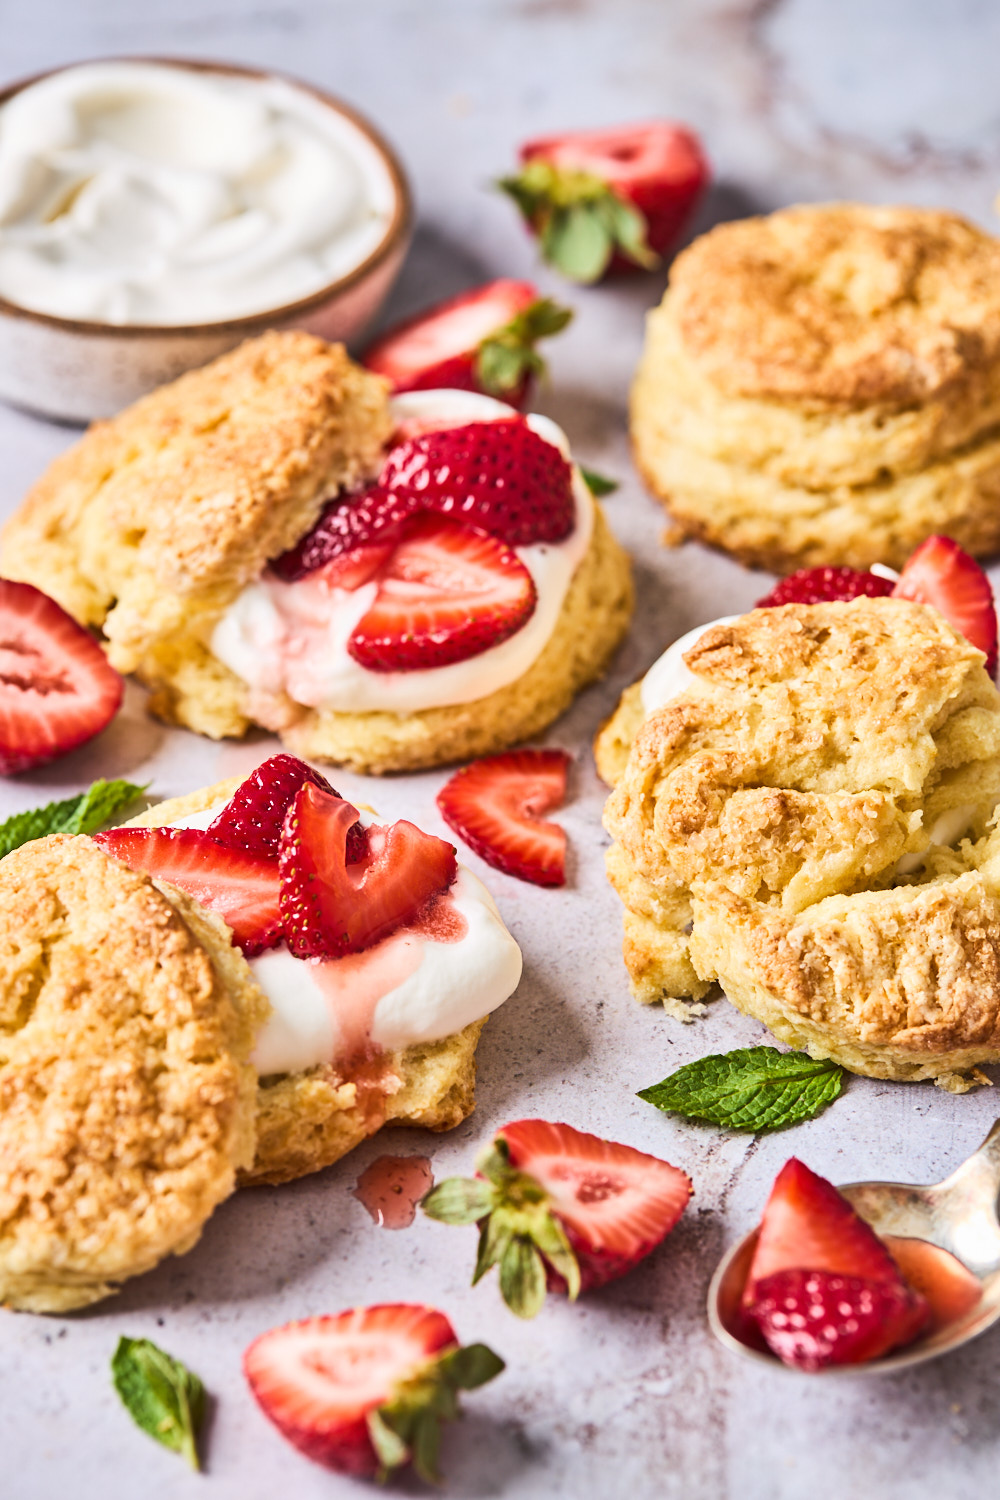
x=163, y=1397
x=753, y=1088
x=598, y=484
x=81, y=814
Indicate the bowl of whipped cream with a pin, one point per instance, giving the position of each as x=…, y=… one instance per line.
x=155, y=212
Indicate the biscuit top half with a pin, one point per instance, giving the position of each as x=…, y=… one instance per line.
x=152, y=523
x=841, y=305
x=818, y=745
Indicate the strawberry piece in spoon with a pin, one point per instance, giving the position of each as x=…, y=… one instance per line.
x=365, y=1391
x=330, y=907
x=57, y=688
x=494, y=805
x=482, y=340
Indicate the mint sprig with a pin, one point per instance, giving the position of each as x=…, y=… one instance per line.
x=84, y=813
x=508, y=356
x=599, y=485
x=753, y=1088
x=579, y=218
x=162, y=1396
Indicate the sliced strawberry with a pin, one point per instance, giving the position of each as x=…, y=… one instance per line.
x=949, y=1288
x=807, y=1225
x=447, y=593
x=826, y=586
x=330, y=907
x=562, y=1208
x=241, y=887
x=494, y=805
x=814, y=1319
x=483, y=340
x=357, y=531
x=611, y=199
x=253, y=817
x=364, y=1391
x=941, y=573
x=57, y=689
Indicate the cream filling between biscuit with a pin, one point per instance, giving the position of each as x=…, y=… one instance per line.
x=408, y=989
x=292, y=637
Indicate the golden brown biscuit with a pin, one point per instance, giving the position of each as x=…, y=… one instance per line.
x=307, y=1121
x=822, y=386
x=126, y=1097
x=807, y=825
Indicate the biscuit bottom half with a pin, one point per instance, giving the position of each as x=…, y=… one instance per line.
x=811, y=825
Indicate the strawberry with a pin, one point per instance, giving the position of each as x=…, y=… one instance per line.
x=813, y=1319
x=358, y=531
x=941, y=573
x=57, y=689
x=330, y=907
x=252, y=819
x=365, y=1391
x=494, y=805
x=562, y=1208
x=447, y=593
x=241, y=887
x=482, y=340
x=612, y=199
x=822, y=1286
x=825, y=586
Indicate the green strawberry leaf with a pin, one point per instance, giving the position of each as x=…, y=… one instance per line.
x=163, y=1397
x=628, y=227
x=753, y=1088
x=550, y=1239
x=522, y=1277
x=494, y=1238
x=389, y=1447
x=508, y=356
x=580, y=220
x=84, y=813
x=599, y=485
x=459, y=1200
x=468, y=1368
x=577, y=241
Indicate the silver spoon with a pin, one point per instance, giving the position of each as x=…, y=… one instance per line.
x=959, y=1215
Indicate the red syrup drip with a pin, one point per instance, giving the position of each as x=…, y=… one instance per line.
x=391, y=1187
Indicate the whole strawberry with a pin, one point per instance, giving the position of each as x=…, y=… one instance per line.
x=608, y=200
x=365, y=1391
x=561, y=1208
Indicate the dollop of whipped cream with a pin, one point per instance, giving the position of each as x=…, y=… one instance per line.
x=410, y=988
x=292, y=637
x=142, y=193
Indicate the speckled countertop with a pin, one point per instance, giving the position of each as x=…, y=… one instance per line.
x=625, y=1394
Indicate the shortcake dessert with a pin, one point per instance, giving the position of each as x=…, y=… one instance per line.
x=380, y=956
x=803, y=813
x=269, y=541
x=821, y=386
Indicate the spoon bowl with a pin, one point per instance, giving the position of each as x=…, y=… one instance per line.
x=958, y=1215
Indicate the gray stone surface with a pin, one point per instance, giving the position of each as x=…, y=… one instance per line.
x=625, y=1394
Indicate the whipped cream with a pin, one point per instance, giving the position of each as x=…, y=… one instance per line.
x=409, y=988
x=141, y=193
x=292, y=637
x=668, y=676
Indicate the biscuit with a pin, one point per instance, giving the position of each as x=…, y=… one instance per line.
x=822, y=386
x=307, y=1121
x=775, y=832
x=126, y=1096
x=150, y=527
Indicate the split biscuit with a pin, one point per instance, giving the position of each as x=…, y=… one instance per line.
x=810, y=825
x=822, y=386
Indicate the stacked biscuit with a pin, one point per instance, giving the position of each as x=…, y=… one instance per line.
x=822, y=386
x=809, y=826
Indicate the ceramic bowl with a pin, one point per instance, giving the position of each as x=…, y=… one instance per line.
x=76, y=371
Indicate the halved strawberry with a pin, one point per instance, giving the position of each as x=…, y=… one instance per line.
x=241, y=887
x=813, y=1319
x=357, y=532
x=560, y=1207
x=365, y=1391
x=482, y=340
x=330, y=907
x=253, y=817
x=495, y=805
x=447, y=593
x=941, y=573
x=608, y=199
x=57, y=688
x=825, y=586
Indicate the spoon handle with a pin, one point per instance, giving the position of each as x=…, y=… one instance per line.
x=978, y=1178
